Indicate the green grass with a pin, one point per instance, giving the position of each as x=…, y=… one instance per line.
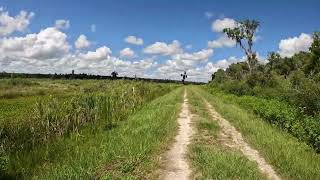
x=77, y=131
x=291, y=158
x=126, y=151
x=210, y=158
x=280, y=113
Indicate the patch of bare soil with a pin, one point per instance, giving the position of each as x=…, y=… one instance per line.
x=176, y=163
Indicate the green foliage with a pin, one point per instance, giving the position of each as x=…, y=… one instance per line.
x=291, y=158
x=314, y=66
x=282, y=115
x=293, y=79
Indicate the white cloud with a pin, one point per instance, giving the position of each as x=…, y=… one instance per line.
x=172, y=68
x=93, y=28
x=10, y=24
x=127, y=52
x=62, y=24
x=288, y=47
x=195, y=71
x=134, y=40
x=202, y=55
x=220, y=24
x=162, y=48
x=48, y=51
x=47, y=44
x=100, y=54
x=222, y=41
x=82, y=42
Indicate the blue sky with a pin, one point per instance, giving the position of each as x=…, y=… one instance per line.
x=166, y=21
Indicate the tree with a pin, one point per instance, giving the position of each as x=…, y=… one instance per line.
x=314, y=65
x=219, y=76
x=243, y=34
x=114, y=74
x=274, y=59
x=184, y=76
x=237, y=71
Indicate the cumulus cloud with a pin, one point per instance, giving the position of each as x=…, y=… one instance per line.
x=196, y=72
x=202, y=55
x=62, y=24
x=10, y=24
x=205, y=72
x=48, y=51
x=162, y=48
x=82, y=42
x=127, y=52
x=178, y=63
x=134, y=40
x=100, y=54
x=288, y=47
x=47, y=44
x=222, y=41
x=220, y=24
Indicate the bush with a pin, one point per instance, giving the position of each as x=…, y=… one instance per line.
x=283, y=115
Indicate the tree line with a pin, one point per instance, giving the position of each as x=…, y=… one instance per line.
x=295, y=79
x=113, y=76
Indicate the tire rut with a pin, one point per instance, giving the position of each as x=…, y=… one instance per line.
x=176, y=163
x=232, y=138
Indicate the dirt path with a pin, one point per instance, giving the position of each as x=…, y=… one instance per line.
x=230, y=137
x=176, y=165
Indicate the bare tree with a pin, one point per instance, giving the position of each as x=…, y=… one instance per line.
x=243, y=34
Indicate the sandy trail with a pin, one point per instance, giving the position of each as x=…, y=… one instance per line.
x=230, y=137
x=177, y=167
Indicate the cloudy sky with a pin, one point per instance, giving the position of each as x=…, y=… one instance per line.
x=156, y=39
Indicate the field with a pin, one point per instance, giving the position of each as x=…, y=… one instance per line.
x=119, y=129
x=44, y=123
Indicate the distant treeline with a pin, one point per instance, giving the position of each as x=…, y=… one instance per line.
x=88, y=76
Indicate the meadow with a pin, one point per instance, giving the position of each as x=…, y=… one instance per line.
x=43, y=120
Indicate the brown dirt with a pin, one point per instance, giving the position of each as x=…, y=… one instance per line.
x=176, y=163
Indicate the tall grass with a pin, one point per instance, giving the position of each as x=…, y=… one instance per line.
x=56, y=117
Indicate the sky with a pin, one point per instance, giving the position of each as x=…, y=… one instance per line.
x=153, y=39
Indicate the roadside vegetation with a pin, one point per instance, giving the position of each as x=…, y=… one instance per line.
x=291, y=158
x=284, y=91
x=37, y=133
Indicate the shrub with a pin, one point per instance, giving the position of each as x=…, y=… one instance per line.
x=285, y=116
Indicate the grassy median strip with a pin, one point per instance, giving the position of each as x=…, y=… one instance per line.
x=289, y=157
x=209, y=157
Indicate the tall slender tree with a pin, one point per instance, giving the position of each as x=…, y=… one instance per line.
x=243, y=34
